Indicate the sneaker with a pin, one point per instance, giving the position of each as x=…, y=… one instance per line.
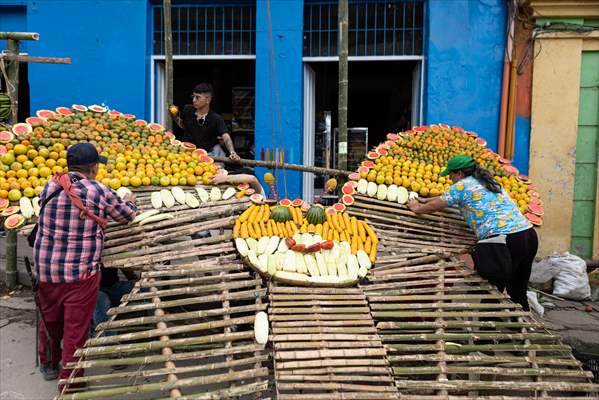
x=49, y=371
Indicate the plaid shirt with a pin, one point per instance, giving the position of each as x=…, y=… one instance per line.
x=68, y=248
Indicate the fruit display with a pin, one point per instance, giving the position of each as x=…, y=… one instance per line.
x=303, y=244
x=138, y=153
x=408, y=164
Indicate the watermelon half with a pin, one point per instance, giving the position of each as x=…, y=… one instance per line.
x=249, y=191
x=115, y=113
x=339, y=207
x=285, y=202
x=155, y=127
x=347, y=199
x=140, y=122
x=373, y=155
x=97, y=108
x=368, y=164
x=21, y=129
x=534, y=219
x=79, y=107
x=456, y=128
x=392, y=136
x=348, y=189
x=420, y=128
x=206, y=159
x=188, y=145
x=175, y=142
x=35, y=121
x=64, y=111
x=504, y=160
x=6, y=136
x=257, y=198
x=354, y=176
x=297, y=203
x=471, y=134
x=129, y=116
x=45, y=114
x=481, y=141
x=382, y=151
x=201, y=152
x=169, y=134
x=363, y=170
x=14, y=221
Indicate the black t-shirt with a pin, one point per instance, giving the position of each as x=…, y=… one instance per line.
x=204, y=133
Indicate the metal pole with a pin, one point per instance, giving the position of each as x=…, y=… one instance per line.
x=342, y=50
x=168, y=61
x=12, y=72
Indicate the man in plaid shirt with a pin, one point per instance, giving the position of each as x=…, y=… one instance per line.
x=67, y=253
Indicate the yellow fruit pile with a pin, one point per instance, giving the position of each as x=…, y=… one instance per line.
x=138, y=153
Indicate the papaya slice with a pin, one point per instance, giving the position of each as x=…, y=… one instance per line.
x=339, y=207
x=45, y=114
x=348, y=200
x=10, y=211
x=534, y=219
x=14, y=221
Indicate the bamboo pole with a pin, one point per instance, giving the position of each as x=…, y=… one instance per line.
x=168, y=63
x=42, y=60
x=273, y=165
x=19, y=36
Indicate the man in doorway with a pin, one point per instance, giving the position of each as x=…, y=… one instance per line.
x=202, y=126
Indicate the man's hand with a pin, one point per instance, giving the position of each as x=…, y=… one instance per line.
x=130, y=197
x=218, y=179
x=413, y=204
x=234, y=156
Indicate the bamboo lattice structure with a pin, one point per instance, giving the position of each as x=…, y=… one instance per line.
x=421, y=326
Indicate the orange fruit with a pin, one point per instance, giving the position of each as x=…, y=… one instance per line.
x=3, y=194
x=20, y=149
x=146, y=181
x=14, y=195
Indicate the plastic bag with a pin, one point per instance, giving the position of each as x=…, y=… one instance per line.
x=569, y=273
x=533, y=302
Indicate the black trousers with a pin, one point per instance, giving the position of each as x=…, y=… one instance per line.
x=507, y=266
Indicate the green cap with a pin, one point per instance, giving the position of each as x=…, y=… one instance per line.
x=457, y=163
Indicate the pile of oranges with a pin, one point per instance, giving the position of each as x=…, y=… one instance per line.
x=138, y=153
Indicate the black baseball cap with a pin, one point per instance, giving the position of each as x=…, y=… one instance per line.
x=84, y=154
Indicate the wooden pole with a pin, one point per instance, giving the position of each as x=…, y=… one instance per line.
x=12, y=72
x=168, y=60
x=272, y=165
x=19, y=36
x=343, y=83
x=42, y=60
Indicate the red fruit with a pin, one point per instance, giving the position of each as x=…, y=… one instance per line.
x=140, y=122
x=348, y=188
x=363, y=170
x=205, y=159
x=382, y=151
x=79, y=107
x=534, y=219
x=297, y=203
x=115, y=113
x=510, y=169
x=243, y=186
x=3, y=150
x=354, y=176
x=347, y=199
x=6, y=136
x=392, y=136
x=523, y=178
x=175, y=142
x=4, y=203
x=257, y=198
x=10, y=211
x=14, y=221
x=471, y=134
x=409, y=132
x=314, y=248
x=299, y=247
x=532, y=193
x=327, y=245
x=155, y=127
x=457, y=129
x=200, y=152
x=373, y=155
x=388, y=144
x=64, y=111
x=97, y=108
x=368, y=164
x=129, y=116
x=21, y=129
x=535, y=201
x=285, y=202
x=340, y=207
x=535, y=209
x=188, y=145
x=35, y=120
x=45, y=114
x=290, y=242
x=481, y=141
x=249, y=191
x=420, y=128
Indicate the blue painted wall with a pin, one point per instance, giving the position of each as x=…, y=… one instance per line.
x=107, y=41
x=282, y=116
x=13, y=18
x=464, y=64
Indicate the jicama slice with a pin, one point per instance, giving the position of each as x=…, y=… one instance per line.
x=229, y=192
x=167, y=198
x=215, y=194
x=242, y=247
x=261, y=327
x=191, y=201
x=203, y=194
x=178, y=194
x=156, y=200
x=157, y=218
x=26, y=207
x=140, y=217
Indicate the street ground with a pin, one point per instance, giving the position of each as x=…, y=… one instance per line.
x=21, y=380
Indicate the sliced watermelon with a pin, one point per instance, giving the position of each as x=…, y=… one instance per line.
x=115, y=113
x=481, y=141
x=3, y=149
x=10, y=211
x=188, y=145
x=97, y=108
x=534, y=219
x=354, y=176
x=409, y=132
x=420, y=128
x=35, y=121
x=444, y=126
x=392, y=136
x=373, y=155
x=129, y=116
x=155, y=127
x=64, y=111
x=330, y=210
x=297, y=203
x=535, y=209
x=201, y=152
x=21, y=129
x=510, y=169
x=169, y=134
x=382, y=151
x=339, y=207
x=175, y=142
x=4, y=203
x=206, y=159
x=257, y=198
x=14, y=221
x=363, y=169
x=79, y=107
x=348, y=189
x=45, y=114
x=348, y=200
x=243, y=186
x=388, y=144
x=140, y=122
x=249, y=191
x=6, y=136
x=285, y=202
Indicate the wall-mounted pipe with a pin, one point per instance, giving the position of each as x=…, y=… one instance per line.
x=510, y=132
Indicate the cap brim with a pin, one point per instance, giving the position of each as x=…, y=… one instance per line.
x=102, y=159
x=445, y=172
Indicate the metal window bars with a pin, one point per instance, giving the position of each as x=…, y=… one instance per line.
x=376, y=28
x=208, y=29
